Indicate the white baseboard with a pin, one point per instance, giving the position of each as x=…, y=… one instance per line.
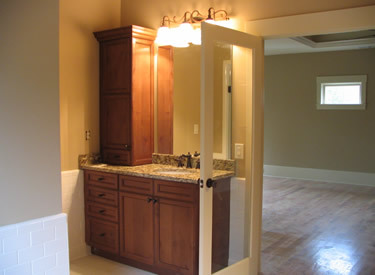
x=346, y=177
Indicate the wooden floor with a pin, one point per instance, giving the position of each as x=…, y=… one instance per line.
x=317, y=228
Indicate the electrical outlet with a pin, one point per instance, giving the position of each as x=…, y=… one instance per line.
x=196, y=129
x=238, y=150
x=88, y=134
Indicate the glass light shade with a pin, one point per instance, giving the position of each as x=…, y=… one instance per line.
x=163, y=37
x=186, y=31
x=178, y=38
x=197, y=39
x=211, y=21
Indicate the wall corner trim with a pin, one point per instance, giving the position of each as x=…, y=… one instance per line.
x=345, y=177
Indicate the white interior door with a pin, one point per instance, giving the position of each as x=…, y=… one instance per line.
x=245, y=213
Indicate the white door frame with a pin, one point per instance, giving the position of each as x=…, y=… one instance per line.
x=253, y=150
x=336, y=21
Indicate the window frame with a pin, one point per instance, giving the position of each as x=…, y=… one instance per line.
x=340, y=80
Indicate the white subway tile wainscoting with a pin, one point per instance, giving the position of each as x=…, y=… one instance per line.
x=73, y=206
x=35, y=247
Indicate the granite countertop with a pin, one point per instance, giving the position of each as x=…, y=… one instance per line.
x=154, y=171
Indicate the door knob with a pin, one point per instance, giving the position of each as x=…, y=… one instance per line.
x=210, y=183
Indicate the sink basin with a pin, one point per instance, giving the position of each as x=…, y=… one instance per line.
x=170, y=171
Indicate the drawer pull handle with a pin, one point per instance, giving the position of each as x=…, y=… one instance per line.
x=102, y=235
x=101, y=195
x=155, y=201
x=100, y=179
x=102, y=211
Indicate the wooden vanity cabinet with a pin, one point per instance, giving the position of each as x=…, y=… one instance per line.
x=101, y=211
x=159, y=224
x=152, y=224
x=126, y=95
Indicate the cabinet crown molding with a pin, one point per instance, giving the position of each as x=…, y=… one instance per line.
x=123, y=32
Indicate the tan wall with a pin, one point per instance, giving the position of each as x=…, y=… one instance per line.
x=186, y=109
x=297, y=134
x=186, y=99
x=79, y=74
x=29, y=116
x=149, y=13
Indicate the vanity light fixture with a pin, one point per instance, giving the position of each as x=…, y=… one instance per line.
x=180, y=32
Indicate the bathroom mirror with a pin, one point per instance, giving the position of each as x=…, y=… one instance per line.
x=186, y=100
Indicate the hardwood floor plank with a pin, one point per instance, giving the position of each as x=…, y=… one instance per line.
x=317, y=228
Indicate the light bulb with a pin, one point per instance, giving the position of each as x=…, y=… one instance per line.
x=186, y=32
x=197, y=40
x=163, y=36
x=178, y=39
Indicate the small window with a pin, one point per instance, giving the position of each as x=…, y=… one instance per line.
x=341, y=92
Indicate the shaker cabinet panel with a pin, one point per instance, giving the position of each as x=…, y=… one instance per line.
x=176, y=236
x=143, y=100
x=115, y=122
x=136, y=227
x=102, y=235
x=115, y=66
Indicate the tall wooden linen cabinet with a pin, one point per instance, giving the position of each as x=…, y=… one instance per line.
x=126, y=95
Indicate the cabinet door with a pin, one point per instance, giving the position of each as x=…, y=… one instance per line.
x=102, y=235
x=115, y=126
x=115, y=66
x=176, y=235
x=143, y=101
x=137, y=227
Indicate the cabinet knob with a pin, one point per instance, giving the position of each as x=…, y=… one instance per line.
x=149, y=200
x=101, y=195
x=127, y=147
x=101, y=211
x=100, y=179
x=102, y=235
x=154, y=201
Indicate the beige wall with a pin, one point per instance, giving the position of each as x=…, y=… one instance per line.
x=297, y=134
x=29, y=116
x=79, y=74
x=186, y=109
x=186, y=99
x=149, y=13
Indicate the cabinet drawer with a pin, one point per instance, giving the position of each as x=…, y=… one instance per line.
x=102, y=211
x=100, y=195
x=136, y=185
x=102, y=235
x=118, y=157
x=101, y=179
x=176, y=190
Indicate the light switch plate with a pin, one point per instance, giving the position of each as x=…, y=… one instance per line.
x=238, y=150
x=196, y=129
